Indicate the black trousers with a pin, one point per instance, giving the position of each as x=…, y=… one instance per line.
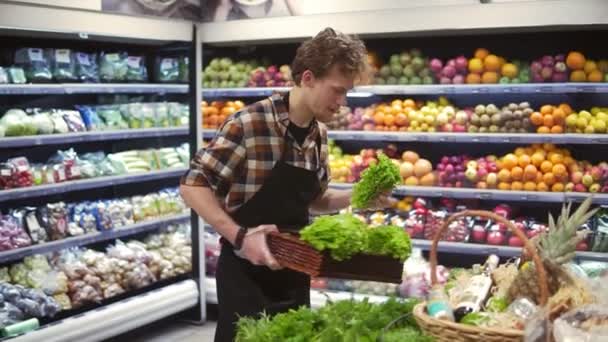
x=247, y=290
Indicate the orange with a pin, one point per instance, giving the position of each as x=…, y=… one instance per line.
x=396, y=109
x=481, y=53
x=537, y=159
x=504, y=175
x=491, y=63
x=530, y=186
x=509, y=70
x=380, y=128
x=397, y=103
x=536, y=118
x=400, y=119
x=213, y=120
x=509, y=161
x=575, y=60
x=578, y=76
x=476, y=65
x=379, y=118
x=557, y=129
x=239, y=104
x=549, y=147
x=489, y=77
x=504, y=186
x=517, y=173
x=502, y=61
x=548, y=120
x=568, y=160
x=558, y=187
x=213, y=110
x=473, y=78
x=543, y=130
x=559, y=170
x=542, y=187
x=546, y=109
x=393, y=128
x=590, y=66
x=217, y=104
x=227, y=111
x=549, y=178
x=517, y=186
x=409, y=103
x=558, y=113
x=530, y=172
x=595, y=76
x=520, y=151
x=389, y=119
x=524, y=160
x=539, y=176
x=556, y=157
x=546, y=166
x=566, y=108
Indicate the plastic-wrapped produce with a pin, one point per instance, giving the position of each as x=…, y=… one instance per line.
x=63, y=65
x=136, y=69
x=63, y=300
x=59, y=123
x=134, y=114
x=102, y=214
x=35, y=228
x=3, y=76
x=17, y=123
x=82, y=215
x=43, y=122
x=144, y=207
x=184, y=70
x=35, y=63
x=161, y=111
x=113, y=67
x=68, y=159
x=57, y=220
x=91, y=120
x=12, y=234
x=74, y=120
x=112, y=117
x=167, y=70
x=17, y=75
x=176, y=114
x=86, y=67
x=5, y=277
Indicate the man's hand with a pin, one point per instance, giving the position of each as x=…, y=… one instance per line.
x=255, y=249
x=383, y=201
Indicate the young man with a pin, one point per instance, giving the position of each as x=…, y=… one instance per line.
x=263, y=172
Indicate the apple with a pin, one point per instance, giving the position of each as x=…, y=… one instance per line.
x=445, y=160
x=449, y=169
x=458, y=128
x=580, y=188
x=582, y=246
x=482, y=173
x=515, y=241
x=596, y=173
x=595, y=187
x=503, y=210
x=577, y=177
x=492, y=179
x=587, y=180
x=478, y=233
x=448, y=128
x=440, y=167
x=569, y=187
x=471, y=174
x=472, y=164
x=482, y=185
x=496, y=238
x=458, y=184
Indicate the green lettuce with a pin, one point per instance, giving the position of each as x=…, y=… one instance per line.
x=376, y=179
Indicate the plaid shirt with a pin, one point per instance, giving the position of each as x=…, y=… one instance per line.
x=246, y=147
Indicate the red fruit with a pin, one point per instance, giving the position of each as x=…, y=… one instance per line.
x=479, y=233
x=582, y=246
x=496, y=238
x=514, y=241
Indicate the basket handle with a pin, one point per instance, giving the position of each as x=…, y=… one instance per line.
x=530, y=248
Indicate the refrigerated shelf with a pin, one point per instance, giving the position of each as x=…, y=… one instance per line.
x=84, y=184
x=91, y=88
x=87, y=239
x=51, y=139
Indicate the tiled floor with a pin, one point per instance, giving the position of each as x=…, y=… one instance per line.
x=170, y=331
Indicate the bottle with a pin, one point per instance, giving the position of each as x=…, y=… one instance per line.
x=438, y=305
x=477, y=290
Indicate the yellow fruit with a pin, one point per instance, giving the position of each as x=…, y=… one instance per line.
x=578, y=76
x=524, y=160
x=537, y=159
x=509, y=70
x=558, y=187
x=481, y=53
x=520, y=151
x=546, y=166
x=530, y=186
x=504, y=186
x=559, y=170
x=509, y=161
x=549, y=178
x=476, y=65
x=555, y=158
x=542, y=187
x=489, y=77
x=411, y=181
x=504, y=176
x=491, y=63
x=595, y=76
x=473, y=78
x=517, y=186
x=590, y=66
x=530, y=173
x=517, y=173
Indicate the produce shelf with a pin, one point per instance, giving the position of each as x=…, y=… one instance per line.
x=84, y=184
x=53, y=246
x=91, y=88
x=430, y=89
x=481, y=138
x=51, y=139
x=490, y=194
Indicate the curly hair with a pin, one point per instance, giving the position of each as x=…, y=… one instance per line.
x=329, y=48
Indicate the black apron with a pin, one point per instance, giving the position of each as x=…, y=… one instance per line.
x=247, y=290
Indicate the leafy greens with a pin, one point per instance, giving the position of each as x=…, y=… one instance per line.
x=376, y=179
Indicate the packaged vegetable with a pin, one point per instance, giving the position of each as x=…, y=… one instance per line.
x=17, y=123
x=4, y=276
x=35, y=228
x=86, y=67
x=63, y=66
x=57, y=220
x=60, y=126
x=91, y=120
x=74, y=121
x=35, y=63
x=161, y=111
x=167, y=70
x=17, y=75
x=112, y=117
x=134, y=114
x=113, y=67
x=184, y=69
x=43, y=122
x=136, y=69
x=3, y=76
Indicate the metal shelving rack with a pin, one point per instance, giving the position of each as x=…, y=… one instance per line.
x=86, y=26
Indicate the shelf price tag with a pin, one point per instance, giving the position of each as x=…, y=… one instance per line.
x=484, y=195
x=529, y=197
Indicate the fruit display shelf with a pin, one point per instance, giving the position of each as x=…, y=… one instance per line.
x=87, y=239
x=444, y=137
x=439, y=89
x=84, y=184
x=490, y=194
x=91, y=88
x=50, y=139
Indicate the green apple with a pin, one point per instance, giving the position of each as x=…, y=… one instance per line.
x=571, y=120
x=581, y=123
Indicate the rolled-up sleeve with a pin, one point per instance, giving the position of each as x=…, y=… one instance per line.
x=216, y=165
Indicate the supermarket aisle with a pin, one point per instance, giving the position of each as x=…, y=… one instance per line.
x=170, y=330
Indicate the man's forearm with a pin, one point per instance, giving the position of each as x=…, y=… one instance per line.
x=203, y=202
x=332, y=200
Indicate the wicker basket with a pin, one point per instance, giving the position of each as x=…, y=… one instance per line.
x=295, y=254
x=455, y=332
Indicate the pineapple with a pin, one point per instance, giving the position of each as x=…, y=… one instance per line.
x=556, y=247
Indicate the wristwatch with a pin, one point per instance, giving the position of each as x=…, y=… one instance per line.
x=240, y=236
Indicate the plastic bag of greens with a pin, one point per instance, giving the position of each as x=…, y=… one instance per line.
x=184, y=70
x=63, y=66
x=148, y=115
x=167, y=69
x=35, y=64
x=74, y=120
x=112, y=117
x=17, y=75
x=17, y=123
x=133, y=114
x=113, y=67
x=34, y=226
x=59, y=124
x=176, y=114
x=136, y=69
x=90, y=118
x=86, y=67
x=3, y=76
x=162, y=114
x=43, y=122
